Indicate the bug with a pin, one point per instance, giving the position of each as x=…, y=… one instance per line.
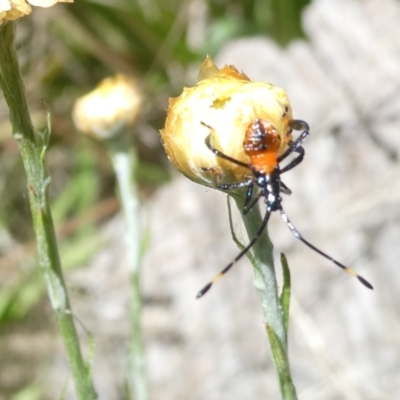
x=261, y=145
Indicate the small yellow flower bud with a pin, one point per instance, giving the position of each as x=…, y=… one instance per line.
x=14, y=9
x=224, y=103
x=106, y=111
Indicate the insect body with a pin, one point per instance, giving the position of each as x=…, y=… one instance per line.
x=262, y=144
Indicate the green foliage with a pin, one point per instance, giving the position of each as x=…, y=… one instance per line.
x=281, y=19
x=281, y=361
x=285, y=295
x=31, y=392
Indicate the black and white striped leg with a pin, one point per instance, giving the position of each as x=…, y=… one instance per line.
x=284, y=189
x=251, y=204
x=220, y=154
x=320, y=252
x=238, y=185
x=217, y=277
x=297, y=125
x=295, y=161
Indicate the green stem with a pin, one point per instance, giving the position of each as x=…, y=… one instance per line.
x=266, y=285
x=37, y=181
x=124, y=160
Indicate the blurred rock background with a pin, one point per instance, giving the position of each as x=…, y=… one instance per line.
x=343, y=78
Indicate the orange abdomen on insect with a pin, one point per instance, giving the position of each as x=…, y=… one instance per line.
x=264, y=162
x=262, y=143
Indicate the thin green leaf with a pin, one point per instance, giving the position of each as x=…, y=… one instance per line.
x=285, y=295
x=91, y=349
x=279, y=354
x=239, y=244
x=46, y=134
x=90, y=357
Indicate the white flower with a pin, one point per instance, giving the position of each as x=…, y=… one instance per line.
x=14, y=9
x=224, y=102
x=106, y=111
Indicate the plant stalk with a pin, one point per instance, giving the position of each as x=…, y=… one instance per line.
x=32, y=153
x=265, y=282
x=124, y=160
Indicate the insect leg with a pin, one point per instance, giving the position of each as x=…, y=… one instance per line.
x=250, y=204
x=219, y=153
x=285, y=189
x=320, y=252
x=295, y=161
x=238, y=185
x=248, y=201
x=297, y=125
x=237, y=258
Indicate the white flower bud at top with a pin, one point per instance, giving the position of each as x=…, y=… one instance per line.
x=11, y=10
x=106, y=111
x=224, y=103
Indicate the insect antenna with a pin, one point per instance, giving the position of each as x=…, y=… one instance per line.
x=320, y=252
x=217, y=277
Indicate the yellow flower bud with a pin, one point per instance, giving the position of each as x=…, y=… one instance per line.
x=224, y=103
x=106, y=111
x=14, y=9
